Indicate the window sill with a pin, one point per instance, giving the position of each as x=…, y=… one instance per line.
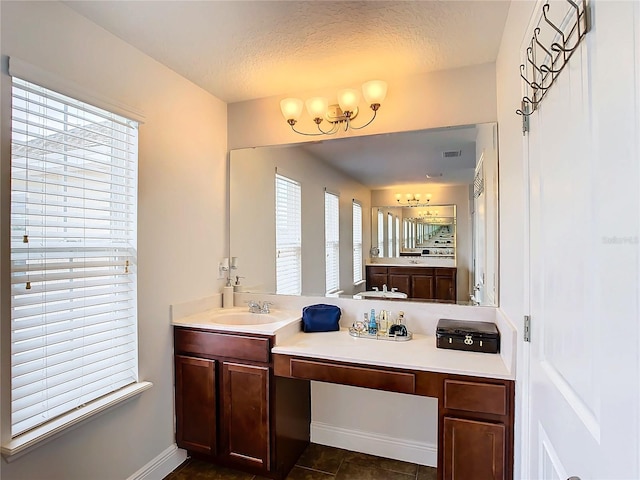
x=27, y=441
x=359, y=282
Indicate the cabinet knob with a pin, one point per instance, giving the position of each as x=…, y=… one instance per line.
x=573, y=478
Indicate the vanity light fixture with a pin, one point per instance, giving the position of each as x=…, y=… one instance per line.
x=413, y=199
x=337, y=115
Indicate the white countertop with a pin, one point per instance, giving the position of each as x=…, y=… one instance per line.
x=420, y=353
x=289, y=325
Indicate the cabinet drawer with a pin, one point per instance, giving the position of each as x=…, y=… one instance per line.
x=445, y=272
x=424, y=271
x=221, y=345
x=377, y=270
x=356, y=376
x=475, y=397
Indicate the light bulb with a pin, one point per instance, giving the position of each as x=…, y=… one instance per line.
x=291, y=109
x=348, y=99
x=317, y=107
x=374, y=92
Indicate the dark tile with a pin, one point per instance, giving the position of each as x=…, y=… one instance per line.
x=381, y=463
x=322, y=458
x=198, y=470
x=355, y=471
x=427, y=473
x=301, y=473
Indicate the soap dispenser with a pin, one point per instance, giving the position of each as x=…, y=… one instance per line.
x=227, y=295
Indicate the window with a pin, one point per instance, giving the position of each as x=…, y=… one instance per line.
x=288, y=236
x=73, y=254
x=380, y=233
x=332, y=242
x=357, y=242
x=397, y=237
x=389, y=235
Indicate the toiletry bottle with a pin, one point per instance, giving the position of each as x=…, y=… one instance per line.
x=373, y=326
x=384, y=327
x=227, y=295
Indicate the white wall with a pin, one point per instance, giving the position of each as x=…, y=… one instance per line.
x=252, y=223
x=462, y=96
x=181, y=235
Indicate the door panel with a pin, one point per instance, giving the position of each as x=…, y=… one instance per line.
x=583, y=198
x=195, y=404
x=245, y=420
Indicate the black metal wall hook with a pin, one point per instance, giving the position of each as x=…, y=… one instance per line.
x=543, y=65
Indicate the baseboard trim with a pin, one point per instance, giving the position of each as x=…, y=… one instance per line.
x=162, y=465
x=375, y=444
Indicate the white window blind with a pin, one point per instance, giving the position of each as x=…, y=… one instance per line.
x=389, y=234
x=73, y=254
x=380, y=233
x=288, y=236
x=332, y=241
x=397, y=236
x=357, y=242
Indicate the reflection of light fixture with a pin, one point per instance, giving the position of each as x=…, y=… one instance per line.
x=346, y=110
x=413, y=198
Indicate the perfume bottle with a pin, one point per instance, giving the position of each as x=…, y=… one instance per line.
x=373, y=326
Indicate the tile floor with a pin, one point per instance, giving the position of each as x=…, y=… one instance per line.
x=318, y=462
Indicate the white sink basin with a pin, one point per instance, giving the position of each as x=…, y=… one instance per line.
x=381, y=294
x=241, y=316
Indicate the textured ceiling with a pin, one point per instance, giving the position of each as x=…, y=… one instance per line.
x=242, y=50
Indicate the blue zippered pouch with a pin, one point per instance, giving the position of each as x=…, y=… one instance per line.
x=321, y=318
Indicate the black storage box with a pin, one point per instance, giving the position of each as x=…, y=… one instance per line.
x=468, y=336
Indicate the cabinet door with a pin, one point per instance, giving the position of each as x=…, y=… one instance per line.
x=473, y=450
x=445, y=289
x=245, y=414
x=400, y=281
x=422, y=286
x=196, y=404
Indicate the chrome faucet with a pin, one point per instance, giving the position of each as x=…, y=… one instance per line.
x=256, y=307
x=384, y=287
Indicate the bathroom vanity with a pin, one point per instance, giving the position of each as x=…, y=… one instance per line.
x=243, y=398
x=417, y=281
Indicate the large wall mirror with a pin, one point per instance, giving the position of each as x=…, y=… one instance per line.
x=400, y=214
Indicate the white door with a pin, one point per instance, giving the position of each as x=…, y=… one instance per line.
x=584, y=179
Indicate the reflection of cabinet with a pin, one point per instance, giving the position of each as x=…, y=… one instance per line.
x=429, y=283
x=227, y=398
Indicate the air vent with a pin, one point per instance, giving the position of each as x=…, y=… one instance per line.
x=452, y=153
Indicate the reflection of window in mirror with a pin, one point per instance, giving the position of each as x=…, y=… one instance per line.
x=397, y=236
x=380, y=233
x=389, y=235
x=288, y=236
x=357, y=242
x=332, y=241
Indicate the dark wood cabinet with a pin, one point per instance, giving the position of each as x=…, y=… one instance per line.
x=377, y=277
x=231, y=410
x=473, y=449
x=196, y=404
x=475, y=414
x=428, y=283
x=245, y=417
x=445, y=285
